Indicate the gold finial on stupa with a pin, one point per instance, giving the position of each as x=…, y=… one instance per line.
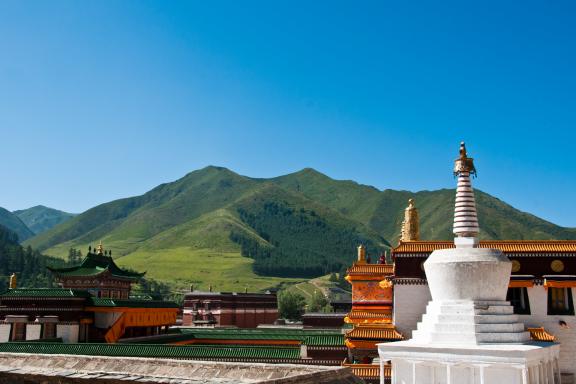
x=464, y=164
x=361, y=254
x=410, y=225
x=13, y=281
x=100, y=249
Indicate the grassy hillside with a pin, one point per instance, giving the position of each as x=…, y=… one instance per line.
x=40, y=218
x=215, y=226
x=382, y=211
x=14, y=224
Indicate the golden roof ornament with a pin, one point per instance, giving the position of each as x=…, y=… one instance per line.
x=464, y=164
x=13, y=280
x=361, y=254
x=100, y=249
x=411, y=225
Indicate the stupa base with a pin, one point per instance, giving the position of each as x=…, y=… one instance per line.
x=527, y=363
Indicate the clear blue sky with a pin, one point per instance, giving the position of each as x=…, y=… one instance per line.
x=106, y=99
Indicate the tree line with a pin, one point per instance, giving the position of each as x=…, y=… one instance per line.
x=299, y=242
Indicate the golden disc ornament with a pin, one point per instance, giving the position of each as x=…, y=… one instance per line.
x=515, y=266
x=557, y=266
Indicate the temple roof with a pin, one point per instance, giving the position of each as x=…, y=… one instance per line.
x=378, y=269
x=45, y=292
x=540, y=334
x=94, y=265
x=372, y=332
x=508, y=246
x=130, y=303
x=157, y=351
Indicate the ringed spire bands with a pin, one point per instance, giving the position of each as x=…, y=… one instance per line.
x=465, y=217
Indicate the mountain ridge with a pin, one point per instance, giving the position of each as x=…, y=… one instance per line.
x=41, y=218
x=300, y=225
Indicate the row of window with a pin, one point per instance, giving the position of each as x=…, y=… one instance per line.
x=559, y=301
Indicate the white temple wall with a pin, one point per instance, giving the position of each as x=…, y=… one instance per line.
x=5, y=332
x=410, y=303
x=538, y=297
x=68, y=332
x=106, y=319
x=33, y=331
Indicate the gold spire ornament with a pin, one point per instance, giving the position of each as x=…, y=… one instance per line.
x=13, y=281
x=464, y=164
x=411, y=225
x=100, y=249
x=361, y=254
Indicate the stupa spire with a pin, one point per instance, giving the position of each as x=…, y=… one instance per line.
x=466, y=227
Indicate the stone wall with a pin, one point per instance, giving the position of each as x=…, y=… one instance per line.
x=68, y=369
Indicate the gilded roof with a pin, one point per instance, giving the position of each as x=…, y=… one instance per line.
x=372, y=269
x=369, y=371
x=359, y=315
x=377, y=333
x=518, y=246
x=540, y=334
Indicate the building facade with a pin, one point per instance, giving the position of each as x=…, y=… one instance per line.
x=218, y=309
x=370, y=317
x=93, y=304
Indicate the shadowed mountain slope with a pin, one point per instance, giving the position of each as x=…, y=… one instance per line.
x=40, y=218
x=11, y=222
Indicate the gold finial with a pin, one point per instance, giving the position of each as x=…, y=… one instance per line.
x=13, y=280
x=464, y=163
x=100, y=249
x=361, y=254
x=410, y=225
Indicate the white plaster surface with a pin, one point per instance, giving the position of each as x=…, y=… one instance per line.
x=33, y=331
x=68, y=332
x=410, y=303
x=106, y=319
x=528, y=363
x=5, y=332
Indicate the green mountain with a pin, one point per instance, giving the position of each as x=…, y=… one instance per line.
x=40, y=218
x=216, y=227
x=11, y=222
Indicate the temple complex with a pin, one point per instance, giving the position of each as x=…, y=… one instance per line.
x=370, y=317
x=464, y=312
x=93, y=304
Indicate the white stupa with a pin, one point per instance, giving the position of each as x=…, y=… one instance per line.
x=469, y=334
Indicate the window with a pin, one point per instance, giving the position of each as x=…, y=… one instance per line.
x=560, y=301
x=518, y=298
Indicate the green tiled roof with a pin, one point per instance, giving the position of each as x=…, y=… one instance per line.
x=308, y=337
x=324, y=340
x=45, y=292
x=107, y=302
x=158, y=351
x=94, y=264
